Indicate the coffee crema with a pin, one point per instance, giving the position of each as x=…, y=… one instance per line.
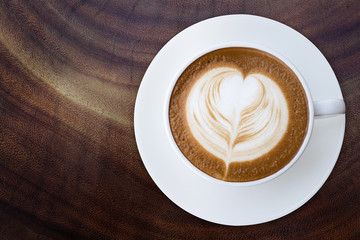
x=238, y=114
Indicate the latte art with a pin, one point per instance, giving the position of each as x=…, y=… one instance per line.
x=238, y=114
x=236, y=118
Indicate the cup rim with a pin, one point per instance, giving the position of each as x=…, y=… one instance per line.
x=242, y=45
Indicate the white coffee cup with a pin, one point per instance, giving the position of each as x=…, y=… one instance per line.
x=324, y=108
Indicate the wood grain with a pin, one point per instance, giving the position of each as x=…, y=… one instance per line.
x=69, y=74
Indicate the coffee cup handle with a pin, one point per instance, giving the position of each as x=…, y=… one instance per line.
x=329, y=107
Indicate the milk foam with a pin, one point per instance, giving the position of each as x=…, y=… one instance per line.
x=236, y=118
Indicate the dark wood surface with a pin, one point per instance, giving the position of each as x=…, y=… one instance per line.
x=69, y=75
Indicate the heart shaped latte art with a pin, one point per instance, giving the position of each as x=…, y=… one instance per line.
x=236, y=118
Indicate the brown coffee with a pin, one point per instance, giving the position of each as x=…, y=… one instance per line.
x=238, y=114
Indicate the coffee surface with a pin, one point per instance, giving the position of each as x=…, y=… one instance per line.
x=238, y=114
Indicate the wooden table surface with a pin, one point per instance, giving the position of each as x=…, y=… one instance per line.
x=69, y=75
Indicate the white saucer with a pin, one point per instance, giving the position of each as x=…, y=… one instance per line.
x=231, y=205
